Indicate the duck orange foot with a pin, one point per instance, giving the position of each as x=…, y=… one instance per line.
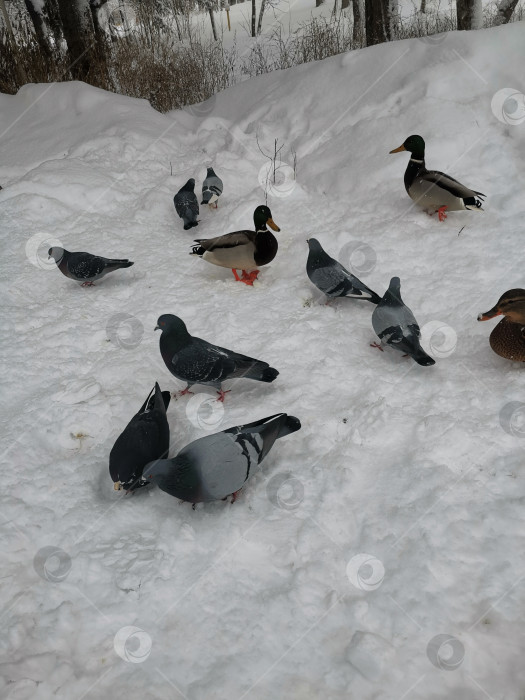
x=441, y=213
x=247, y=277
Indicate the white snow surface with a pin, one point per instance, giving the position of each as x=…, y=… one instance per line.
x=417, y=467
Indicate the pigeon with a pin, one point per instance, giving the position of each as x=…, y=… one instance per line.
x=332, y=278
x=217, y=466
x=396, y=326
x=211, y=188
x=196, y=361
x=145, y=438
x=187, y=205
x=84, y=267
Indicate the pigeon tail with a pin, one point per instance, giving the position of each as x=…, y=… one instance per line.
x=374, y=298
x=291, y=425
x=421, y=357
x=121, y=263
x=261, y=372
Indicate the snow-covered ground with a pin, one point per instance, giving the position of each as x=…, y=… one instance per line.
x=379, y=553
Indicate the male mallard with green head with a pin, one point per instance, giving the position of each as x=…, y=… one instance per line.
x=242, y=250
x=432, y=189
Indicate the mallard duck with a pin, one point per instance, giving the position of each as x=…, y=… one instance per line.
x=508, y=337
x=432, y=190
x=242, y=250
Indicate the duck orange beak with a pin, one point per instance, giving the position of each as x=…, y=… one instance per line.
x=398, y=150
x=271, y=223
x=490, y=314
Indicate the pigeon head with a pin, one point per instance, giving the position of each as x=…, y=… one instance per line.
x=414, y=144
x=171, y=324
x=56, y=253
x=158, y=468
x=314, y=245
x=262, y=216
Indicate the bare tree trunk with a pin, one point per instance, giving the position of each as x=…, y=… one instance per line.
x=357, y=31
x=377, y=21
x=39, y=26
x=254, y=10
x=318, y=3
x=53, y=19
x=345, y=4
x=469, y=14
x=21, y=74
x=261, y=13
x=505, y=10
x=78, y=31
x=423, y=7
x=212, y=19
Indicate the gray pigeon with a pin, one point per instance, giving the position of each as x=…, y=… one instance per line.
x=146, y=437
x=332, y=278
x=84, y=267
x=196, y=361
x=217, y=466
x=187, y=205
x=211, y=188
x=396, y=326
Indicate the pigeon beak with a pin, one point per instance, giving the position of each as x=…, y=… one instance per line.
x=157, y=328
x=489, y=314
x=271, y=223
x=398, y=150
x=117, y=486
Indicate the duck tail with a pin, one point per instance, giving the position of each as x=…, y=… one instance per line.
x=197, y=250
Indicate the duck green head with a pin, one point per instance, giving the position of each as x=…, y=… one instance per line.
x=262, y=216
x=414, y=144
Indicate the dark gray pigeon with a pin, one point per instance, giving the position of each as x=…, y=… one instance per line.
x=332, y=278
x=145, y=438
x=84, y=267
x=196, y=361
x=217, y=466
x=396, y=326
x=187, y=204
x=211, y=188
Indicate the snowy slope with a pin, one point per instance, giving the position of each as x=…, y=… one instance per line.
x=419, y=468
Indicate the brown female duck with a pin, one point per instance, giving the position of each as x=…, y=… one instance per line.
x=508, y=337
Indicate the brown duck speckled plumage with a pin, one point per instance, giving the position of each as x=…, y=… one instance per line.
x=508, y=337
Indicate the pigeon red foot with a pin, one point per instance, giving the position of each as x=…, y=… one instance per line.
x=184, y=391
x=87, y=284
x=235, y=495
x=376, y=345
x=222, y=394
